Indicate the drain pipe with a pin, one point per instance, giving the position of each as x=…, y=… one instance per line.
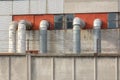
x=77, y=25
x=97, y=35
x=43, y=36
x=12, y=37
x=22, y=27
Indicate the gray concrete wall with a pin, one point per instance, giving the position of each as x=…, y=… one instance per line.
x=59, y=67
x=58, y=41
x=61, y=41
x=57, y=6
x=90, y=6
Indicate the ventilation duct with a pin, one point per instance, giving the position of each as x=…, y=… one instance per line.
x=12, y=37
x=43, y=36
x=97, y=35
x=77, y=25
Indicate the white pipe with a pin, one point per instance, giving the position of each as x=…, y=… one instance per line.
x=97, y=35
x=12, y=37
x=22, y=26
x=43, y=36
x=77, y=25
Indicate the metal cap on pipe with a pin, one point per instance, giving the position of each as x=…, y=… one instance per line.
x=44, y=24
x=97, y=23
x=78, y=21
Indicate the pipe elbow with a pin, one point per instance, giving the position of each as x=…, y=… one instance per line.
x=44, y=24
x=13, y=25
x=79, y=22
x=27, y=24
x=97, y=23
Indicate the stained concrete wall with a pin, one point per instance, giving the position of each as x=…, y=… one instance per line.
x=61, y=41
x=18, y=67
x=59, y=67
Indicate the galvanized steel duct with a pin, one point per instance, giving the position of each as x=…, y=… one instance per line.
x=12, y=37
x=97, y=35
x=43, y=36
x=77, y=25
x=22, y=26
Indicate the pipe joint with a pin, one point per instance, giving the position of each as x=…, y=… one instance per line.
x=97, y=23
x=13, y=25
x=27, y=23
x=78, y=22
x=44, y=24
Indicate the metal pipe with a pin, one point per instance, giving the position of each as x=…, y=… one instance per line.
x=43, y=36
x=22, y=26
x=97, y=35
x=12, y=37
x=77, y=25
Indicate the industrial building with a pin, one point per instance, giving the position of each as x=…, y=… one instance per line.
x=59, y=40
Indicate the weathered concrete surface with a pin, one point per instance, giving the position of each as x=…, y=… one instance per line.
x=4, y=68
x=85, y=69
x=64, y=69
x=18, y=68
x=110, y=41
x=87, y=43
x=61, y=41
x=90, y=6
x=59, y=68
x=106, y=69
x=68, y=41
x=42, y=68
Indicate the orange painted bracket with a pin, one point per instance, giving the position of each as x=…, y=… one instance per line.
x=29, y=18
x=35, y=20
x=87, y=17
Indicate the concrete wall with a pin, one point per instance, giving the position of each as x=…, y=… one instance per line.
x=4, y=26
x=61, y=41
x=57, y=6
x=58, y=41
x=59, y=67
x=85, y=6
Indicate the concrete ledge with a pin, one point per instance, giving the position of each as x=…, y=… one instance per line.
x=62, y=55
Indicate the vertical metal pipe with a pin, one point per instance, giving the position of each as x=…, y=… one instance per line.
x=43, y=36
x=21, y=38
x=97, y=35
x=77, y=23
x=22, y=26
x=12, y=37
